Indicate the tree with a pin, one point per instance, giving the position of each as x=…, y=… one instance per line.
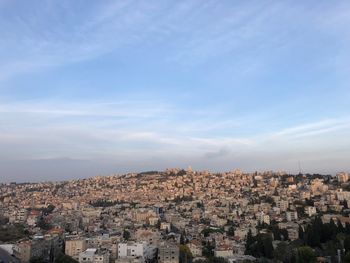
x=333, y=229
x=284, y=233
x=3, y=220
x=208, y=250
x=218, y=260
x=126, y=234
x=301, y=233
x=43, y=224
x=231, y=231
x=36, y=260
x=341, y=228
x=347, y=228
x=347, y=243
x=267, y=246
x=259, y=246
x=313, y=238
x=185, y=254
x=347, y=258
x=283, y=252
x=182, y=239
x=306, y=255
x=249, y=243
x=48, y=210
x=62, y=258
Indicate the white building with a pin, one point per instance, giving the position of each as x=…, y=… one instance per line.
x=165, y=226
x=135, y=250
x=92, y=255
x=310, y=210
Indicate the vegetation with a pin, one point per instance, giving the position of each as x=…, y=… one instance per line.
x=306, y=255
x=62, y=258
x=14, y=232
x=126, y=234
x=213, y=260
x=231, y=231
x=206, y=232
x=43, y=224
x=315, y=239
x=3, y=220
x=208, y=250
x=37, y=260
x=185, y=254
x=103, y=203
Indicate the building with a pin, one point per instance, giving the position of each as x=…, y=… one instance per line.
x=43, y=248
x=23, y=251
x=148, y=236
x=131, y=249
x=283, y=205
x=195, y=247
x=291, y=216
x=93, y=255
x=168, y=253
x=263, y=218
x=74, y=247
x=310, y=210
x=136, y=250
x=19, y=216
x=342, y=177
x=165, y=226
x=223, y=251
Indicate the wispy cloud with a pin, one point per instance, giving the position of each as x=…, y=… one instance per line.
x=203, y=81
x=193, y=32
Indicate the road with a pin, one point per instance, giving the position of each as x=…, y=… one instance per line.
x=7, y=258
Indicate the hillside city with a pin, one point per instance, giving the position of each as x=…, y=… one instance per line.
x=178, y=216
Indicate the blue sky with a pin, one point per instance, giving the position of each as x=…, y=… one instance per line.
x=104, y=87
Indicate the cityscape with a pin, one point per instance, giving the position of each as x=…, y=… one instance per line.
x=179, y=216
x=187, y=131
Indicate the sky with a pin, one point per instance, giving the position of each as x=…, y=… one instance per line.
x=101, y=87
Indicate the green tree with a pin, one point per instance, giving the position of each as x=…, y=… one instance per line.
x=283, y=252
x=126, y=234
x=267, y=246
x=14, y=232
x=208, y=250
x=249, y=243
x=346, y=258
x=301, y=233
x=182, y=239
x=313, y=235
x=185, y=254
x=306, y=255
x=43, y=224
x=347, y=228
x=37, y=260
x=231, y=231
x=347, y=244
x=62, y=258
